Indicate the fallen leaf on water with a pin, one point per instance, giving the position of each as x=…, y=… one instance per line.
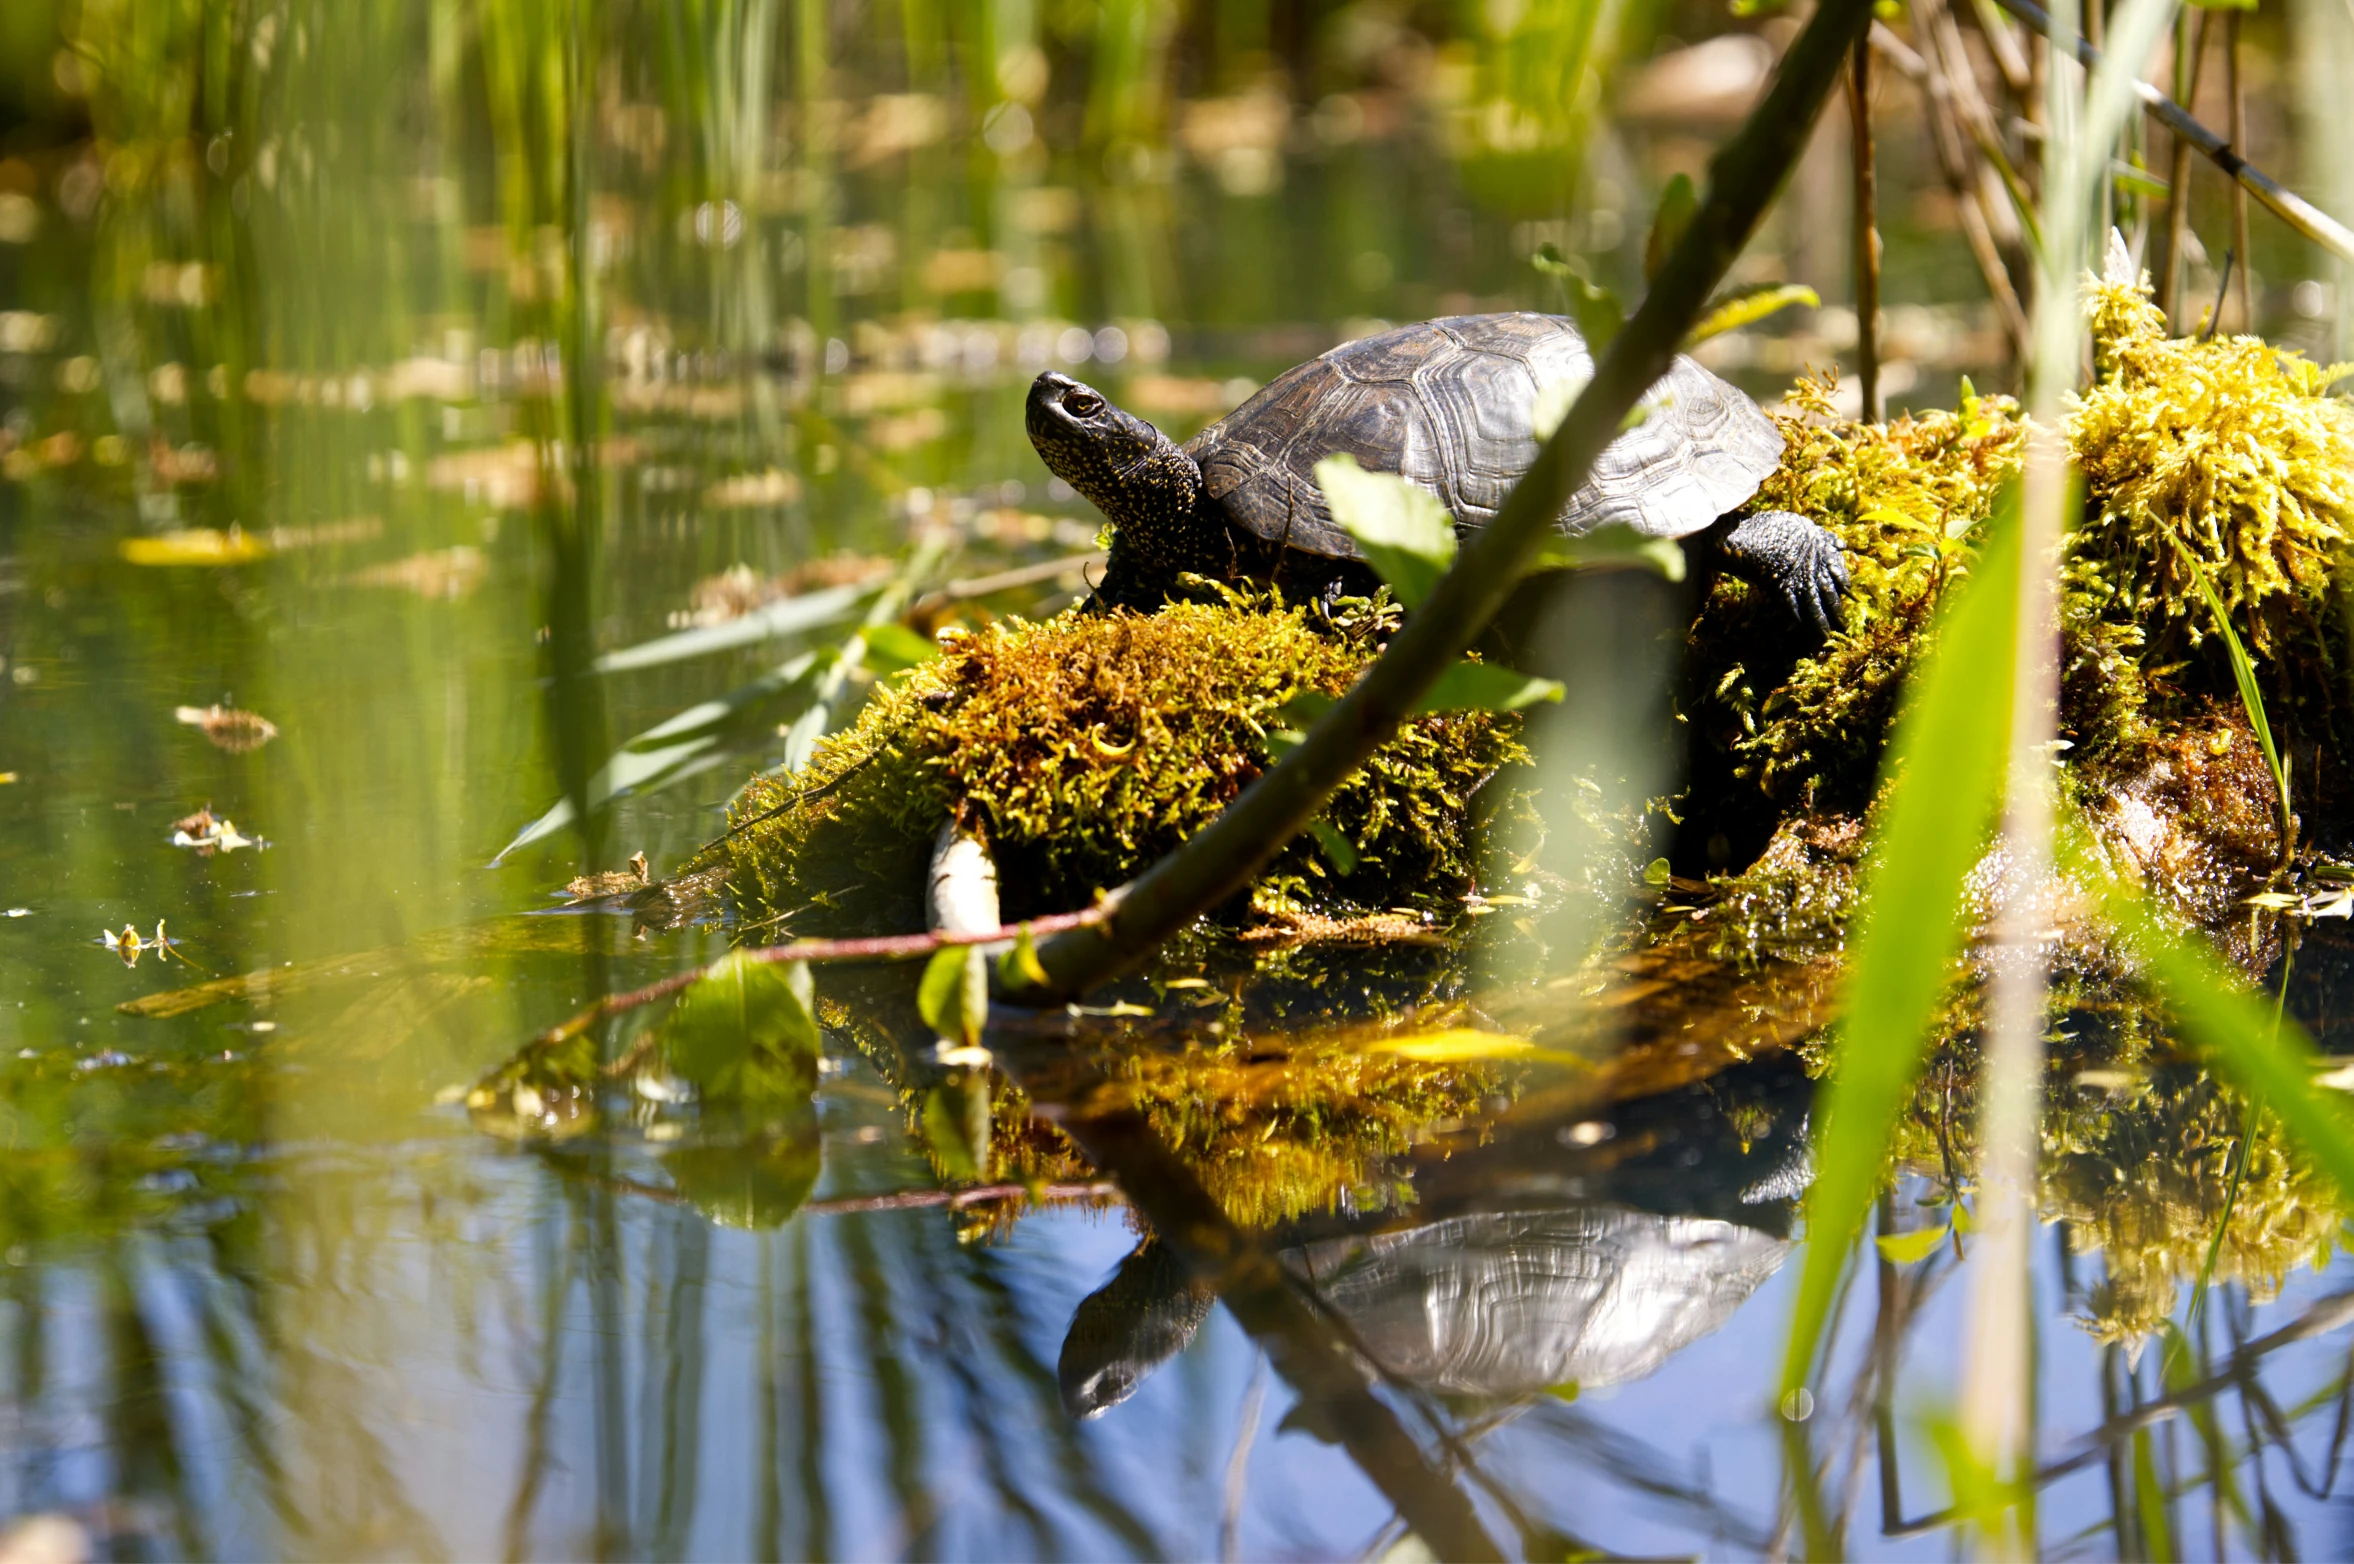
x=210, y=834
x=610, y=882
x=131, y=947
x=748, y=490
x=230, y=729
x=196, y=546
x=445, y=573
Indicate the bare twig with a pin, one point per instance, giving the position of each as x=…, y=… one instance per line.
x=2017, y=72
x=1953, y=161
x=2284, y=203
x=2327, y=1315
x=1221, y=859
x=884, y=947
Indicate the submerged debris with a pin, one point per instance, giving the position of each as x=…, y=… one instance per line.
x=610, y=882
x=208, y=834
x=228, y=728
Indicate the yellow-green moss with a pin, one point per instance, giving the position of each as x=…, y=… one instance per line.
x=2227, y=449
x=1275, y=1128
x=1084, y=748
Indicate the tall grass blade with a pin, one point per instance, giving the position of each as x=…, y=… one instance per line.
x=1947, y=756
x=2243, y=672
x=786, y=616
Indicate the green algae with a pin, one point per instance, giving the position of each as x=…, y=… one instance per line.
x=1081, y=749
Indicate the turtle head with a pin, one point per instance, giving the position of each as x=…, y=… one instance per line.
x=1136, y=475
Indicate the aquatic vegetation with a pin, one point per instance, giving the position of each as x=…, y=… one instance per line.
x=1082, y=749
x=2138, y=1156
x=2145, y=1173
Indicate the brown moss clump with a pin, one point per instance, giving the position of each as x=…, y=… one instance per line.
x=1082, y=749
x=2226, y=451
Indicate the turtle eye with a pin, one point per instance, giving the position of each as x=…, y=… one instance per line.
x=1083, y=404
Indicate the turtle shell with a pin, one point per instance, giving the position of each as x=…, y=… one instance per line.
x=1451, y=404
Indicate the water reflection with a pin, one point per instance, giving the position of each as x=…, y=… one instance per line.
x=387, y=375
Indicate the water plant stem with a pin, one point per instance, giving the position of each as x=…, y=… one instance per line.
x=2239, y=192
x=1867, y=230
x=2178, y=182
x=2284, y=203
x=1998, y=1402
x=1222, y=858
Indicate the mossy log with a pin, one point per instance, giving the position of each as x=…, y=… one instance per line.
x=1082, y=749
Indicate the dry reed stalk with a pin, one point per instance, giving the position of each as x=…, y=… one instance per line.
x=1867, y=229
x=2241, y=291
x=2178, y=185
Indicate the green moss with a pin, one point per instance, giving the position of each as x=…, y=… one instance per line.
x=1081, y=750
x=1904, y=499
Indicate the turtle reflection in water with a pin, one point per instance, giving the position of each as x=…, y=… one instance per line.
x=1502, y=1304
x=1453, y=405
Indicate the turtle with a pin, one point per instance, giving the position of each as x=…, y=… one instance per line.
x=1453, y=405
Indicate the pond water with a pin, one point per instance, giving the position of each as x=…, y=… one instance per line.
x=319, y=406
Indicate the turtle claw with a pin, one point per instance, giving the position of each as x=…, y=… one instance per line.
x=1798, y=561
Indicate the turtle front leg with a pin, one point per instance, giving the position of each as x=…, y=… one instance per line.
x=1796, y=560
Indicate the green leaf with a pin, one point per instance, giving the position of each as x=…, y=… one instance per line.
x=954, y=995
x=1748, y=306
x=1403, y=528
x=1947, y=757
x=1910, y=1248
x=892, y=646
x=1338, y=850
x=1679, y=203
x=1470, y=686
x=755, y=1182
x=1656, y=872
x=956, y=1124
x=746, y=1029
x=1021, y=964
x=1611, y=548
x=1598, y=312
x=693, y=742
